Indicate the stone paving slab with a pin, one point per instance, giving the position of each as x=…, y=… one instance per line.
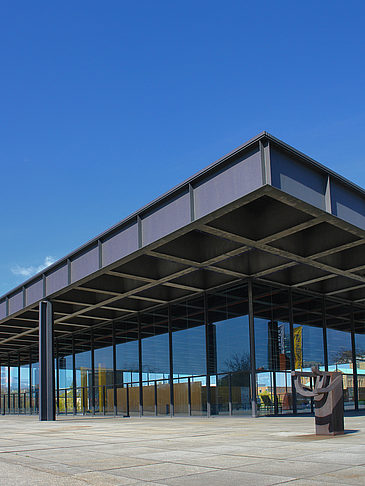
x=224, y=451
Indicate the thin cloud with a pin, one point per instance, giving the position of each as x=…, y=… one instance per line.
x=32, y=269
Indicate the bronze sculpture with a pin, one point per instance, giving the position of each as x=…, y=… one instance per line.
x=327, y=392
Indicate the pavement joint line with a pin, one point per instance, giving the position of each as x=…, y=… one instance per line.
x=299, y=477
x=185, y=435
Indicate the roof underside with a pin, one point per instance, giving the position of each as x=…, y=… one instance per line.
x=267, y=234
x=282, y=241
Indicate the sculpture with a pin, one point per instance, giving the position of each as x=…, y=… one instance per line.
x=327, y=392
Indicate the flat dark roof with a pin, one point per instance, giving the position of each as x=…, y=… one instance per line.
x=265, y=211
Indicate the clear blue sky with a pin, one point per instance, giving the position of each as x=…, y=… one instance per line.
x=106, y=105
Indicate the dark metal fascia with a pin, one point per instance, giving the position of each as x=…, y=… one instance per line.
x=179, y=188
x=140, y=212
x=322, y=168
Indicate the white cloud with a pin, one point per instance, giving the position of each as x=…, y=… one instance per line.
x=32, y=269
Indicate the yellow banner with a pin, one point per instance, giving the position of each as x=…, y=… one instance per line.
x=298, y=348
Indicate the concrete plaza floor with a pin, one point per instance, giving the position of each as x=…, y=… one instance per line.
x=180, y=451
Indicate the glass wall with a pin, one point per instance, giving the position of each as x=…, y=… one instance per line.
x=155, y=363
x=4, y=389
x=127, y=367
x=360, y=360
x=339, y=347
x=83, y=394
x=14, y=396
x=24, y=388
x=272, y=350
x=193, y=357
x=229, y=351
x=308, y=341
x=189, y=357
x=64, y=393
x=103, y=370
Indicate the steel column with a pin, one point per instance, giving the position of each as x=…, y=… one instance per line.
x=140, y=366
x=207, y=352
x=230, y=393
x=30, y=382
x=354, y=363
x=189, y=397
x=92, y=372
x=9, y=371
x=252, y=348
x=171, y=359
x=46, y=362
x=19, y=399
x=324, y=327
x=292, y=354
x=115, y=398
x=57, y=381
x=74, y=403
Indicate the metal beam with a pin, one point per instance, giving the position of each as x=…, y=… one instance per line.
x=282, y=253
x=126, y=294
x=346, y=289
x=292, y=230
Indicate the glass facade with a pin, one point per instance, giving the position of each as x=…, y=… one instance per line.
x=205, y=355
x=189, y=358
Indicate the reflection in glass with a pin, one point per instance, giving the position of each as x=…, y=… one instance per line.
x=189, y=357
x=340, y=359
x=127, y=367
x=155, y=363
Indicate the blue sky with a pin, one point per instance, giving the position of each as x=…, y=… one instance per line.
x=106, y=105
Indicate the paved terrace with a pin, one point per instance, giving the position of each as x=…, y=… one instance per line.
x=180, y=451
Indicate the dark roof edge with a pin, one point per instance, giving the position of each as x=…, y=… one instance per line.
x=133, y=215
x=261, y=136
x=314, y=162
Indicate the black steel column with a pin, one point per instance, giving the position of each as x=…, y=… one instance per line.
x=292, y=354
x=171, y=358
x=58, y=381
x=115, y=398
x=189, y=397
x=354, y=363
x=155, y=396
x=140, y=366
x=9, y=391
x=252, y=349
x=30, y=382
x=92, y=372
x=74, y=403
x=230, y=393
x=207, y=352
x=19, y=388
x=46, y=362
x=276, y=404
x=324, y=327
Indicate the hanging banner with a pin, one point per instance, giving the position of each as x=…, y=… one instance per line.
x=298, y=347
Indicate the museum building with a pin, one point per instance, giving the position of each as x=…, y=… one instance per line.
x=202, y=302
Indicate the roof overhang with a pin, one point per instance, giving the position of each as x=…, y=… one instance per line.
x=202, y=236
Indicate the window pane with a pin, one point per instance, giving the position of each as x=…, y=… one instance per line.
x=127, y=367
x=189, y=358
x=155, y=362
